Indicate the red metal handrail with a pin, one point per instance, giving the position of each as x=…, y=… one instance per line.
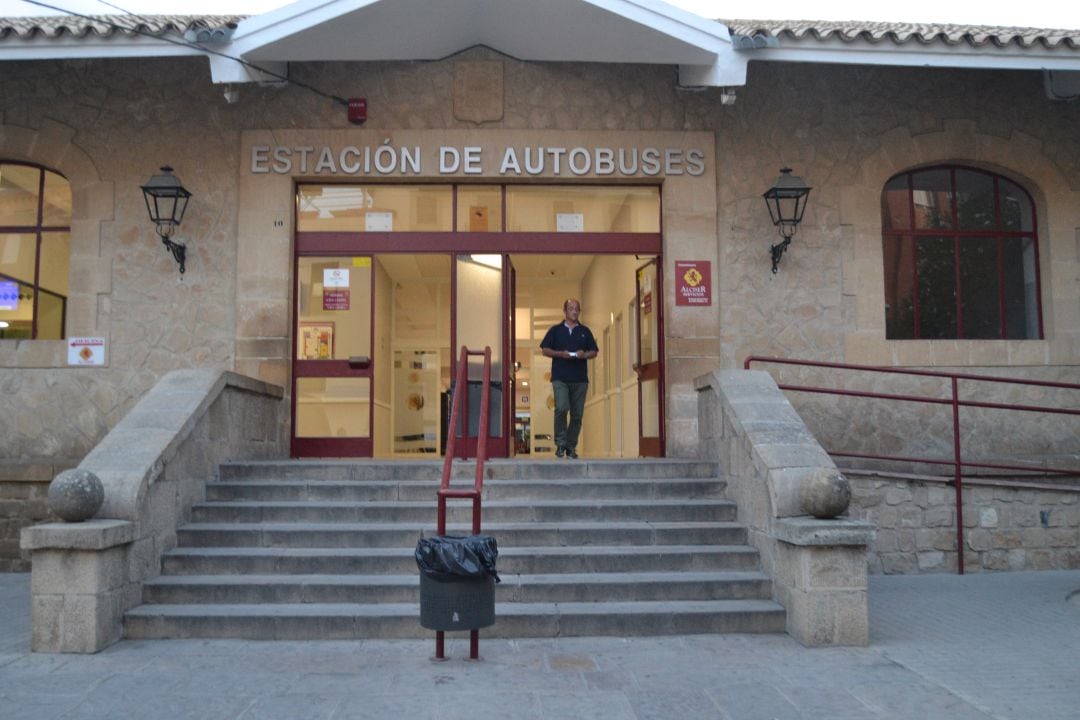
x=461, y=397
x=957, y=462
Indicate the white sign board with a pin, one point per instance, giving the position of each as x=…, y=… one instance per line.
x=87, y=351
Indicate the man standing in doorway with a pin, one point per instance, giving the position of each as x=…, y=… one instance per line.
x=569, y=345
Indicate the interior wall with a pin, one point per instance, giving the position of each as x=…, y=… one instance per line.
x=608, y=291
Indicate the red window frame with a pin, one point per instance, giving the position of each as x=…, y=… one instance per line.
x=951, y=235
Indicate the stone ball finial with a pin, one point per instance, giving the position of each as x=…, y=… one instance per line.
x=75, y=495
x=825, y=493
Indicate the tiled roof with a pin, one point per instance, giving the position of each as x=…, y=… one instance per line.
x=57, y=26
x=906, y=33
x=804, y=30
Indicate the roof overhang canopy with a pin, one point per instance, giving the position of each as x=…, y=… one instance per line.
x=604, y=31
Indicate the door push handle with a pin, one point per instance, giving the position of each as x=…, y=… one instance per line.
x=359, y=361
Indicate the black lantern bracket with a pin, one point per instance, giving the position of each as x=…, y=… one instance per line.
x=166, y=200
x=786, y=201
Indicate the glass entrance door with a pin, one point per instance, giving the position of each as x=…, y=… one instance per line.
x=333, y=365
x=650, y=360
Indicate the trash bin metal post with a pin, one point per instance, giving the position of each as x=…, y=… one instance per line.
x=445, y=491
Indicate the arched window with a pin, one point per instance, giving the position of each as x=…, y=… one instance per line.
x=961, y=256
x=35, y=220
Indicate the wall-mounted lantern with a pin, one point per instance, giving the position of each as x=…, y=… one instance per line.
x=166, y=201
x=786, y=200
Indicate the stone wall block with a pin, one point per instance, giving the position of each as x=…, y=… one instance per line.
x=46, y=623
x=898, y=563
x=835, y=618
x=931, y=560
x=85, y=572
x=936, y=517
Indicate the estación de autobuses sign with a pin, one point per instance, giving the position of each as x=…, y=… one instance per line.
x=471, y=159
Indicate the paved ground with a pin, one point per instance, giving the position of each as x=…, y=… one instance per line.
x=943, y=647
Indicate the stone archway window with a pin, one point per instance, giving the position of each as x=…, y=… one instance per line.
x=35, y=247
x=961, y=256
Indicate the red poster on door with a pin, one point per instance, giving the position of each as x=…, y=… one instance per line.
x=693, y=283
x=335, y=299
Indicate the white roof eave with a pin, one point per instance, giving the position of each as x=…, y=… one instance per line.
x=833, y=51
x=72, y=48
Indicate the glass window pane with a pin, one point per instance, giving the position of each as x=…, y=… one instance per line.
x=19, y=186
x=55, y=259
x=333, y=407
x=899, y=288
x=554, y=208
x=975, y=200
x=17, y=257
x=896, y=204
x=417, y=377
x=334, y=295
x=648, y=316
x=932, y=196
x=374, y=208
x=50, y=320
x=421, y=297
x=16, y=308
x=1016, y=210
x=56, y=208
x=936, y=268
x=1021, y=289
x=650, y=408
x=479, y=208
x=980, y=299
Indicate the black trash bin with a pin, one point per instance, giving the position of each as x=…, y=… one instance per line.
x=457, y=581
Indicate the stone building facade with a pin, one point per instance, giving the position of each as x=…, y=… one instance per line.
x=106, y=124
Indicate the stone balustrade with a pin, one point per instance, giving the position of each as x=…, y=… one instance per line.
x=818, y=566
x=154, y=465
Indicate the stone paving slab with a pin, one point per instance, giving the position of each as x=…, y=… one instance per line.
x=979, y=647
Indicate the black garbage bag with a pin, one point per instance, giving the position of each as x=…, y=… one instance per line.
x=454, y=559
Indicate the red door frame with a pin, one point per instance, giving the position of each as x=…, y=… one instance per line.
x=652, y=447
x=361, y=244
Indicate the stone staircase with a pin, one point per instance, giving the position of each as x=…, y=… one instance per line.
x=324, y=550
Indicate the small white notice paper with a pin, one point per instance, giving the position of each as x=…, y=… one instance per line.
x=335, y=278
x=569, y=222
x=378, y=221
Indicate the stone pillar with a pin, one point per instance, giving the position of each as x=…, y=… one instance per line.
x=80, y=584
x=819, y=575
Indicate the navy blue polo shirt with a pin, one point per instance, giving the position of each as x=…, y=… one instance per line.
x=577, y=339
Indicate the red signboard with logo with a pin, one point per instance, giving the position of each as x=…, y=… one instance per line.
x=693, y=282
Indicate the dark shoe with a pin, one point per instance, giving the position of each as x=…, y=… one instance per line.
x=572, y=454
x=560, y=451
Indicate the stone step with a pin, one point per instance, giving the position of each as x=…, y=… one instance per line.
x=568, y=587
x=424, y=490
x=324, y=621
x=401, y=560
x=349, y=535
x=560, y=511
x=494, y=469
